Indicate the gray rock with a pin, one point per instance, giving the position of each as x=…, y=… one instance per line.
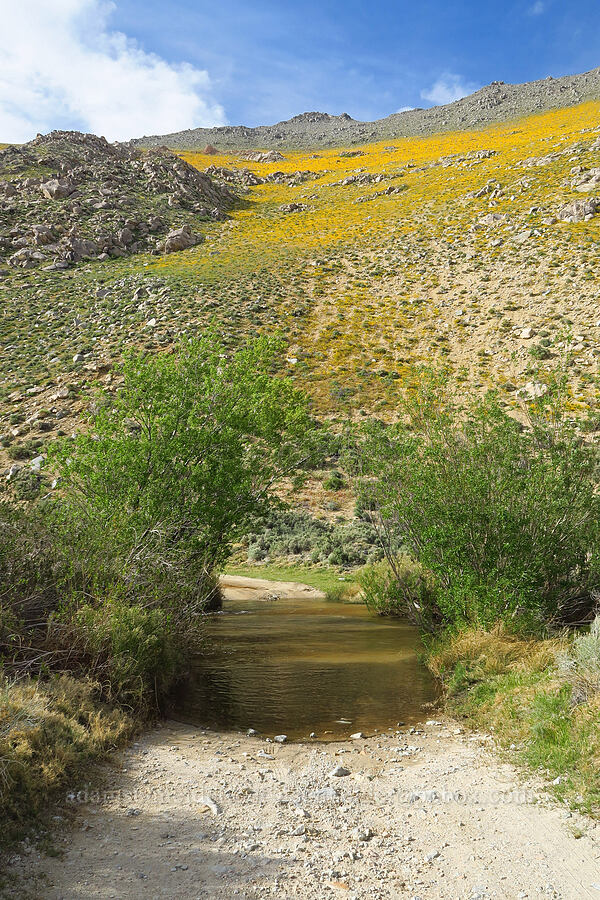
x=578, y=210
x=181, y=239
x=339, y=772
x=57, y=189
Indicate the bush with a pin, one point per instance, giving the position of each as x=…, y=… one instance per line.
x=334, y=481
x=289, y=533
x=400, y=589
x=505, y=516
x=581, y=665
x=136, y=653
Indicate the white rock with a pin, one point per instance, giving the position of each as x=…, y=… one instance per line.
x=339, y=772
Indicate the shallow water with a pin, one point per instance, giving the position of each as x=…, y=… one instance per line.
x=299, y=666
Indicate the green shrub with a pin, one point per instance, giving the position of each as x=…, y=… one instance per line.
x=581, y=665
x=136, y=651
x=401, y=588
x=505, y=516
x=334, y=482
x=293, y=533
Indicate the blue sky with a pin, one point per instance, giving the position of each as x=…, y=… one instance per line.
x=143, y=66
x=270, y=60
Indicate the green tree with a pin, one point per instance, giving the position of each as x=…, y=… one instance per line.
x=178, y=463
x=505, y=514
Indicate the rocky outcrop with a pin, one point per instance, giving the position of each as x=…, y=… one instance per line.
x=579, y=210
x=181, y=239
x=66, y=197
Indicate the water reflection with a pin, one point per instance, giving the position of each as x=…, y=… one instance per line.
x=298, y=666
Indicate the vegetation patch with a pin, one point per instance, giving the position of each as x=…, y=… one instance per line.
x=50, y=731
x=528, y=695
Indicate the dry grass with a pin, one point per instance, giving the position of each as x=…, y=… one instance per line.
x=494, y=653
x=515, y=689
x=49, y=733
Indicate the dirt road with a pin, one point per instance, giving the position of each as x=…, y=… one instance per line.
x=189, y=813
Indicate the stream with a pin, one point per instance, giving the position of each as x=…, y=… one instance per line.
x=302, y=665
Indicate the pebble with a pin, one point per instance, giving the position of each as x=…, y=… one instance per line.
x=339, y=772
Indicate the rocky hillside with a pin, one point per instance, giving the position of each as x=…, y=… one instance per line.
x=474, y=251
x=68, y=196
x=496, y=102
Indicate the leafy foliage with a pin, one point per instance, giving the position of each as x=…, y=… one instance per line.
x=178, y=464
x=399, y=588
x=504, y=515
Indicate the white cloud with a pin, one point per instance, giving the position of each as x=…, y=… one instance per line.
x=61, y=66
x=538, y=8
x=405, y=109
x=447, y=89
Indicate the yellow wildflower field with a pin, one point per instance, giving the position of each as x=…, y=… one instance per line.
x=394, y=267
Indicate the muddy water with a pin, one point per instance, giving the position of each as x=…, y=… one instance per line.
x=296, y=666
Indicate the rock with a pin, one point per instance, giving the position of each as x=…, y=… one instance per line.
x=435, y=854
x=587, y=181
x=210, y=150
x=578, y=210
x=36, y=464
x=339, y=772
x=527, y=333
x=494, y=219
x=82, y=248
x=251, y=732
x=27, y=258
x=363, y=834
x=293, y=207
x=42, y=235
x=258, y=156
x=264, y=755
x=181, y=239
x=57, y=189
x=280, y=738
x=357, y=735
x=533, y=390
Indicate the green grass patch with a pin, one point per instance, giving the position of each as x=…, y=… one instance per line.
x=516, y=690
x=335, y=584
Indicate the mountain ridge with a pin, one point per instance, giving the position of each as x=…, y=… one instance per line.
x=495, y=102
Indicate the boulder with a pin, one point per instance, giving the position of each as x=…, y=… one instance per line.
x=42, y=234
x=578, y=210
x=181, y=239
x=57, y=189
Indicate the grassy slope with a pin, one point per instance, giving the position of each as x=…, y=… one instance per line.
x=364, y=290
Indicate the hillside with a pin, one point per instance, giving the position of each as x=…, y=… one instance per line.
x=476, y=250
x=496, y=102
x=67, y=196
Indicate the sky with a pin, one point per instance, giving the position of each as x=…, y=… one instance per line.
x=125, y=68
